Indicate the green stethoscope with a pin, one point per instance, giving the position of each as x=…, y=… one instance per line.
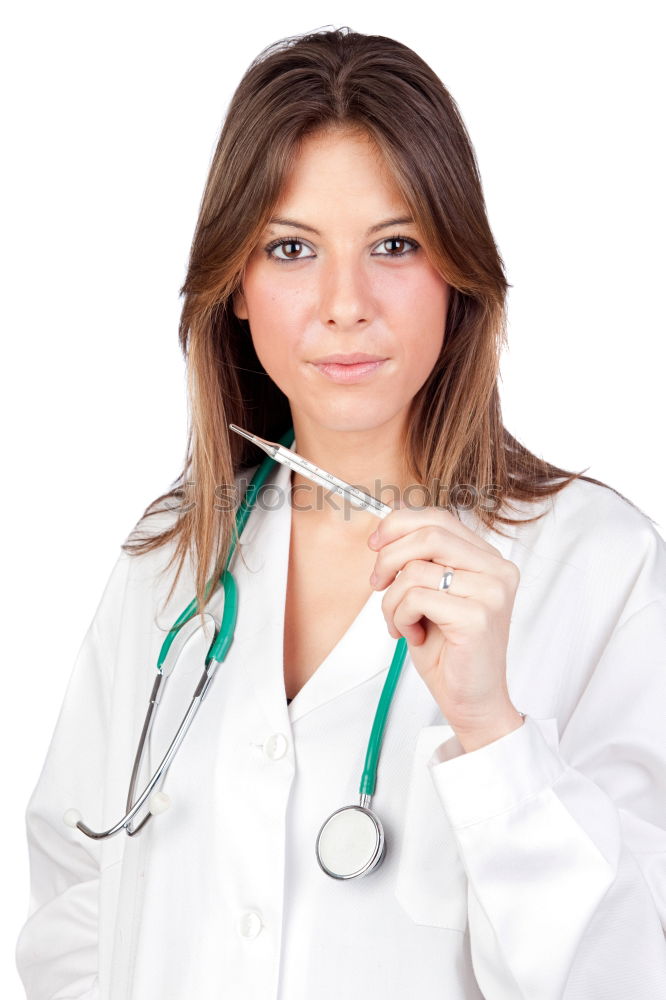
x=351, y=842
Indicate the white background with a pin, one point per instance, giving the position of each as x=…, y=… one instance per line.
x=110, y=118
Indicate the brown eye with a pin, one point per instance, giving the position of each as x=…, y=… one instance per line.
x=400, y=241
x=292, y=250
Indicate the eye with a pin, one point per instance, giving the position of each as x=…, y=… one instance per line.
x=293, y=246
x=400, y=240
x=286, y=241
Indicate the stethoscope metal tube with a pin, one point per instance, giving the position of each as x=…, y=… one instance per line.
x=351, y=842
x=217, y=652
x=133, y=809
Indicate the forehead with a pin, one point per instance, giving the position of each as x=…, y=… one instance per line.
x=335, y=169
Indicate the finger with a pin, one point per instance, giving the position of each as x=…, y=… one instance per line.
x=403, y=520
x=425, y=573
x=459, y=618
x=437, y=545
x=422, y=573
x=484, y=590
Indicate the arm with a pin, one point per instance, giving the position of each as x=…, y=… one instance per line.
x=57, y=949
x=563, y=839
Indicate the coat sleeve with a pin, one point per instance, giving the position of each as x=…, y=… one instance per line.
x=563, y=835
x=57, y=949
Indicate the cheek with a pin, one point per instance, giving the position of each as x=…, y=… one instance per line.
x=276, y=325
x=418, y=311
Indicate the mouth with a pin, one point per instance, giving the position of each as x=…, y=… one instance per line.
x=347, y=373
x=356, y=357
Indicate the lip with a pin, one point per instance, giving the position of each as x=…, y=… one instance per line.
x=347, y=359
x=346, y=373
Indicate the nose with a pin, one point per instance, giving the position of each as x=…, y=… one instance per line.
x=346, y=297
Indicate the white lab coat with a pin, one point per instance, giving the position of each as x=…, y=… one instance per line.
x=533, y=867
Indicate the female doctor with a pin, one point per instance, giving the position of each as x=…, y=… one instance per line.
x=521, y=785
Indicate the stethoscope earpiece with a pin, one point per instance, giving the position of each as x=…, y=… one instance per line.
x=158, y=803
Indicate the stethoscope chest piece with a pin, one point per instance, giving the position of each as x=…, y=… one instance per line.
x=350, y=843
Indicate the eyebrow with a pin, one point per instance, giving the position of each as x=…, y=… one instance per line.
x=402, y=221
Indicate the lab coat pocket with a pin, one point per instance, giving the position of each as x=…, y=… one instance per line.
x=431, y=885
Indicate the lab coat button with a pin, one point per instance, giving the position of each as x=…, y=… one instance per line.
x=276, y=746
x=250, y=924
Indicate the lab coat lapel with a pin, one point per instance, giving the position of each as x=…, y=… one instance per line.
x=259, y=568
x=365, y=650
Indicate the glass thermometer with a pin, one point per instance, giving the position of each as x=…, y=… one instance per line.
x=316, y=475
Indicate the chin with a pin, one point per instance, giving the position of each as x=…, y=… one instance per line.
x=343, y=422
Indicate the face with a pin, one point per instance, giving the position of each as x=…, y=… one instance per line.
x=359, y=284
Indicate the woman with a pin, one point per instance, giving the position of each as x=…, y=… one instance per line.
x=523, y=768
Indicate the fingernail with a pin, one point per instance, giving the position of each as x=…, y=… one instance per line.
x=372, y=540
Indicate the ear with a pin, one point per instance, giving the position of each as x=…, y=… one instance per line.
x=239, y=305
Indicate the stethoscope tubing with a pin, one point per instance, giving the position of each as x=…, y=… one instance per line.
x=221, y=642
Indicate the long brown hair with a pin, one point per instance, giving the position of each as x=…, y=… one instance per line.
x=375, y=86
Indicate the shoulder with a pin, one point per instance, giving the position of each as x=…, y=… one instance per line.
x=163, y=516
x=589, y=515
x=604, y=538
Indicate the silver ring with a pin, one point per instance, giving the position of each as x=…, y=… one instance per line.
x=445, y=582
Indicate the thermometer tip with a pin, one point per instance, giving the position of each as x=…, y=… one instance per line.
x=239, y=430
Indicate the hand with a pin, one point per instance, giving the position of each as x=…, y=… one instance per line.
x=457, y=638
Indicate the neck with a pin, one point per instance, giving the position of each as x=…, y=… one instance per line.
x=369, y=459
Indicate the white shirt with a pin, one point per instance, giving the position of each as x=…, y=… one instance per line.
x=533, y=867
